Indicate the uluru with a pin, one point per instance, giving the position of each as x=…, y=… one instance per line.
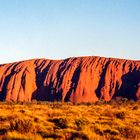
x=76, y=79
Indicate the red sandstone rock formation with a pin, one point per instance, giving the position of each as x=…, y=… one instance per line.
x=82, y=79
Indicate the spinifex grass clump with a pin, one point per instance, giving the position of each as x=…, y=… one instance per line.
x=22, y=126
x=60, y=122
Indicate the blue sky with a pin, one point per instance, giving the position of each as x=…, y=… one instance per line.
x=58, y=29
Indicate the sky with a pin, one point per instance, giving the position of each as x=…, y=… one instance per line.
x=58, y=29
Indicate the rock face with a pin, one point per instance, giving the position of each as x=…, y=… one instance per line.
x=82, y=79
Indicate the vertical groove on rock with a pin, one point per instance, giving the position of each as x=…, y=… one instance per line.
x=7, y=80
x=102, y=80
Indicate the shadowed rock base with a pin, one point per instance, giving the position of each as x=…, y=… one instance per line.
x=81, y=79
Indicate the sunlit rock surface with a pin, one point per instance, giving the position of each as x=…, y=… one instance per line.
x=81, y=79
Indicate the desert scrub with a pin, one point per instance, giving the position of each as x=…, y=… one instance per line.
x=135, y=107
x=14, y=135
x=22, y=126
x=80, y=123
x=60, y=122
x=120, y=115
x=129, y=132
x=68, y=122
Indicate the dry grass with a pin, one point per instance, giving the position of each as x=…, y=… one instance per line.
x=42, y=120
